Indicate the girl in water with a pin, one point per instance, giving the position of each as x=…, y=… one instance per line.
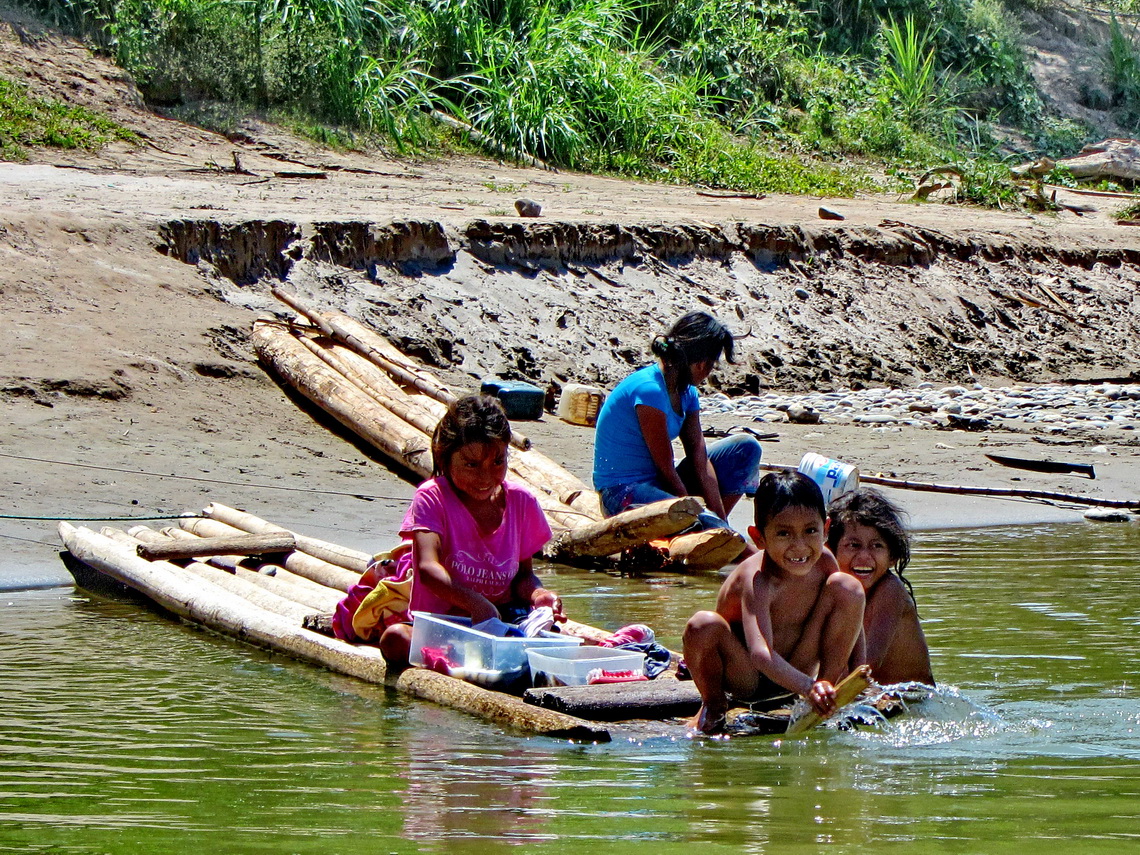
x=869, y=541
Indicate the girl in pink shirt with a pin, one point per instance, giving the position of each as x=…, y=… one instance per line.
x=472, y=532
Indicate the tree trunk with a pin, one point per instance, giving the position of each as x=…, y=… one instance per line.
x=630, y=528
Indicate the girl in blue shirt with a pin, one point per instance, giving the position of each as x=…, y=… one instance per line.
x=633, y=451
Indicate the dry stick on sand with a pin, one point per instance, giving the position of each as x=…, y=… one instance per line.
x=997, y=492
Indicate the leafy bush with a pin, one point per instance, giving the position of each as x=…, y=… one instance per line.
x=722, y=92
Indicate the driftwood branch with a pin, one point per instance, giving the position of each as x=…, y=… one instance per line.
x=630, y=528
x=996, y=492
x=367, y=343
x=706, y=550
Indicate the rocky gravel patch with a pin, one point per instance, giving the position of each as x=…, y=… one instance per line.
x=1052, y=409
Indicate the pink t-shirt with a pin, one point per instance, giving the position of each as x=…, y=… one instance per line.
x=485, y=563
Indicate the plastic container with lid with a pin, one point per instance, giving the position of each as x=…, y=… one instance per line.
x=571, y=666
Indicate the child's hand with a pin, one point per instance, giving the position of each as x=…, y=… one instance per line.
x=822, y=697
x=542, y=597
x=483, y=611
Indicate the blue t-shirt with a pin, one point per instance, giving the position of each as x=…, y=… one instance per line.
x=620, y=453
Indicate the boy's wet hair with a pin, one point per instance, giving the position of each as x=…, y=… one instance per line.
x=474, y=418
x=695, y=337
x=788, y=488
x=871, y=508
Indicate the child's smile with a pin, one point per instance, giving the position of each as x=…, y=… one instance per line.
x=478, y=469
x=792, y=539
x=864, y=554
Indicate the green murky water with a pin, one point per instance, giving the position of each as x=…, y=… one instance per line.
x=122, y=731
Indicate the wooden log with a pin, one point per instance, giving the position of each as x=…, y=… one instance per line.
x=267, y=577
x=302, y=564
x=367, y=343
x=389, y=396
x=537, y=472
x=538, y=469
x=364, y=341
x=653, y=699
x=497, y=706
x=846, y=691
x=706, y=550
x=242, y=544
x=341, y=399
x=629, y=528
x=272, y=576
x=253, y=593
x=357, y=410
x=350, y=559
x=227, y=576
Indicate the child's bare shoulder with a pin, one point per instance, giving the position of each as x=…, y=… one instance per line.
x=741, y=580
x=891, y=595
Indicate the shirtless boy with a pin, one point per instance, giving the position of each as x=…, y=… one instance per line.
x=786, y=619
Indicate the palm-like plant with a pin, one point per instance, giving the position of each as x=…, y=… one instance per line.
x=910, y=71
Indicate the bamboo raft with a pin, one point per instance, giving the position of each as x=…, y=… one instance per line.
x=385, y=398
x=212, y=576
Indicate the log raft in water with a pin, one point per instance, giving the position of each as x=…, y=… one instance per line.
x=189, y=595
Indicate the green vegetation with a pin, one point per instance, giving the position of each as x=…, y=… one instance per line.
x=29, y=121
x=758, y=95
x=1131, y=211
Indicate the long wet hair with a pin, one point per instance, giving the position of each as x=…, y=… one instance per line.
x=695, y=337
x=785, y=489
x=474, y=418
x=871, y=508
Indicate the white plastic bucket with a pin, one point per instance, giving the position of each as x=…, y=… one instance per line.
x=834, y=477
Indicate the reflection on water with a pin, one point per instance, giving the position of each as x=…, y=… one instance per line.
x=123, y=730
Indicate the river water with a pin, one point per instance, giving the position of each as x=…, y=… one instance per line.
x=125, y=732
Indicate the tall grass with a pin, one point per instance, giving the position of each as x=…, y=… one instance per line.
x=1122, y=69
x=724, y=92
x=910, y=72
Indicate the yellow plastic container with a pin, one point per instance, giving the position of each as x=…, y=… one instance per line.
x=580, y=404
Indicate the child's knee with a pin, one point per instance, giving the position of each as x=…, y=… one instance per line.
x=845, y=592
x=396, y=643
x=702, y=624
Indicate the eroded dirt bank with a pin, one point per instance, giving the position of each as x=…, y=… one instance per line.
x=823, y=307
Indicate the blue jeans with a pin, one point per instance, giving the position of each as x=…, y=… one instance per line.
x=736, y=461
